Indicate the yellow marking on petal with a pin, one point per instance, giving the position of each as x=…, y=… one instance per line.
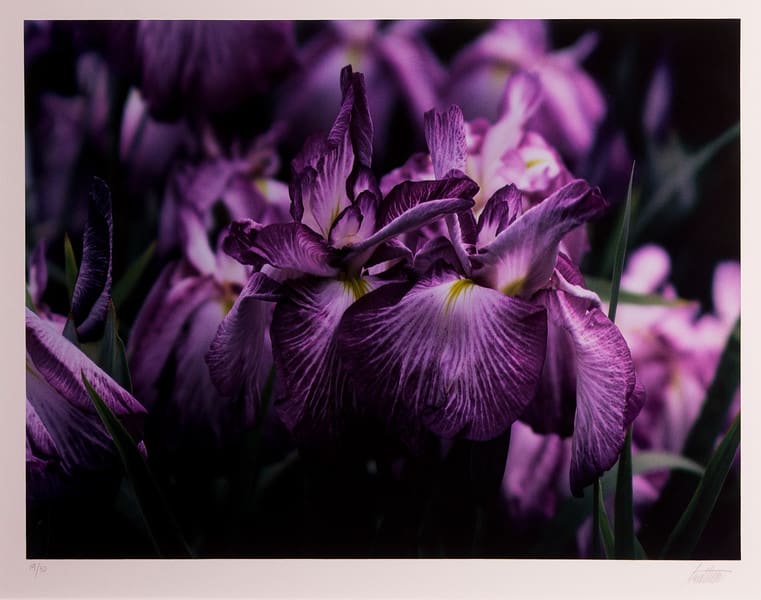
x=455, y=291
x=514, y=288
x=533, y=162
x=357, y=286
x=229, y=296
x=354, y=56
x=261, y=185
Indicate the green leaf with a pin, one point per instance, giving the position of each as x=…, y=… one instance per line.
x=28, y=300
x=688, y=530
x=645, y=462
x=601, y=287
x=70, y=331
x=112, y=355
x=604, y=523
x=71, y=269
x=714, y=413
x=620, y=256
x=126, y=285
x=165, y=533
x=624, y=502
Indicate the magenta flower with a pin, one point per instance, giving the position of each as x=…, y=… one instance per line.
x=342, y=229
x=463, y=349
x=572, y=105
x=394, y=60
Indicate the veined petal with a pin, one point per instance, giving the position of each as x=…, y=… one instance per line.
x=304, y=348
x=58, y=395
x=237, y=351
x=521, y=259
x=606, y=386
x=291, y=246
x=414, y=218
x=318, y=190
x=460, y=358
x=158, y=325
x=408, y=194
x=445, y=135
x=92, y=290
x=500, y=211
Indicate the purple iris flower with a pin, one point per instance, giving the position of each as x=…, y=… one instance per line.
x=506, y=152
x=66, y=127
x=394, y=58
x=675, y=348
x=65, y=437
x=201, y=67
x=343, y=232
x=239, y=179
x=572, y=103
x=497, y=312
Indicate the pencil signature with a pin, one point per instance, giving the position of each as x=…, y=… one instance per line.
x=37, y=569
x=707, y=574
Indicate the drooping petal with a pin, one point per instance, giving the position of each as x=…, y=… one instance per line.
x=460, y=358
x=521, y=259
x=58, y=395
x=606, y=386
x=536, y=475
x=445, y=136
x=92, y=290
x=291, y=246
x=237, y=351
x=304, y=348
x=158, y=325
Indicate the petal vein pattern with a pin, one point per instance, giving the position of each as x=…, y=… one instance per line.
x=464, y=358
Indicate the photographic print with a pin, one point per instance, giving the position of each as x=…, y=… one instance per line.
x=444, y=288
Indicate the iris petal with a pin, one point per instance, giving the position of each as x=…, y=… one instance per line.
x=463, y=358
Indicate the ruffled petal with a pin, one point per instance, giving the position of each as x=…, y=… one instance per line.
x=459, y=358
x=408, y=194
x=92, y=290
x=291, y=246
x=500, y=211
x=522, y=258
x=607, y=394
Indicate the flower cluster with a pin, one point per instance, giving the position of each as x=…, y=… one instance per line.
x=316, y=287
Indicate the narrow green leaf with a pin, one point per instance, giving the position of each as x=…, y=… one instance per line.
x=624, y=510
x=112, y=356
x=596, y=518
x=639, y=551
x=605, y=530
x=126, y=285
x=165, y=533
x=688, y=530
x=70, y=331
x=620, y=256
x=601, y=287
x=71, y=269
x=28, y=300
x=644, y=462
x=715, y=409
